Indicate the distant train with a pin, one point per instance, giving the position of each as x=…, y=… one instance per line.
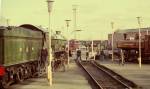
x=20, y=52
x=131, y=49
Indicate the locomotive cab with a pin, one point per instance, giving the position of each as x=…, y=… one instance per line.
x=131, y=48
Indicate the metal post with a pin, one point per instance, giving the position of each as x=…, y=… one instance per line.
x=8, y=22
x=93, y=50
x=112, y=43
x=1, y=13
x=77, y=40
x=49, y=2
x=75, y=19
x=122, y=57
x=67, y=24
x=139, y=23
x=50, y=56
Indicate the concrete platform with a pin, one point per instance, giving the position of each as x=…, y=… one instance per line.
x=73, y=78
x=140, y=76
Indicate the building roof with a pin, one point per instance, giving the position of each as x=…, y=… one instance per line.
x=32, y=27
x=131, y=30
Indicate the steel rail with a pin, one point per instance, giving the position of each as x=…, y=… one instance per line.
x=96, y=82
x=99, y=86
x=95, y=64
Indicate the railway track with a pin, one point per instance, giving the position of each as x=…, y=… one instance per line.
x=101, y=78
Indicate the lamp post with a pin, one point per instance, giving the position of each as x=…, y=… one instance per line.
x=8, y=22
x=139, y=23
x=93, y=49
x=67, y=24
x=77, y=31
x=112, y=43
x=49, y=3
x=76, y=37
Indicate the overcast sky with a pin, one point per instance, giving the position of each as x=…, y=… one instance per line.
x=93, y=16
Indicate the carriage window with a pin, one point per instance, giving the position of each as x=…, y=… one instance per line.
x=20, y=49
x=27, y=49
x=125, y=36
x=136, y=36
x=133, y=51
x=32, y=48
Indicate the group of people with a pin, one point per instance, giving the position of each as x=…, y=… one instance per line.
x=60, y=58
x=78, y=54
x=100, y=55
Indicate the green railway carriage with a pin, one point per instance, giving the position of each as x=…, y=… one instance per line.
x=20, y=51
x=19, y=45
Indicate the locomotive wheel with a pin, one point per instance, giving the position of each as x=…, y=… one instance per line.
x=1, y=84
x=4, y=82
x=25, y=73
x=19, y=77
x=34, y=72
x=29, y=73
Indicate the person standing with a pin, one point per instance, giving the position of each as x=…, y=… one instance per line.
x=102, y=55
x=78, y=54
x=87, y=55
x=44, y=55
x=70, y=54
x=63, y=58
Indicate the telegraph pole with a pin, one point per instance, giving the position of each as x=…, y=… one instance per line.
x=139, y=23
x=112, y=43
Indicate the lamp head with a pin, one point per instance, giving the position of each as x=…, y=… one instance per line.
x=67, y=22
x=49, y=3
